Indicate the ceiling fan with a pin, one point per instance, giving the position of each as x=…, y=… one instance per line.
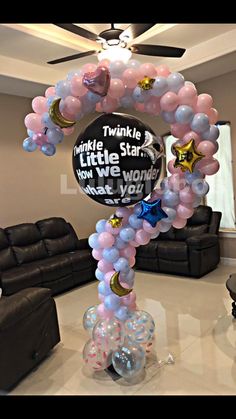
x=120, y=38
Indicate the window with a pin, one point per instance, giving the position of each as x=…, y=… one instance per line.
x=221, y=194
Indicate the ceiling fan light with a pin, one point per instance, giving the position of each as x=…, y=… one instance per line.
x=114, y=53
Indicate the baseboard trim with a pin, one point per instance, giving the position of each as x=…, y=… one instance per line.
x=228, y=261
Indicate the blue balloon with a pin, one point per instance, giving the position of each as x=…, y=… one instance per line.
x=48, y=149
x=175, y=82
x=111, y=254
x=119, y=244
x=135, y=222
x=171, y=215
x=164, y=184
x=100, y=226
x=112, y=302
x=29, y=145
x=184, y=114
x=140, y=95
x=200, y=187
x=93, y=241
x=104, y=288
x=99, y=275
x=46, y=120
x=126, y=102
x=62, y=88
x=133, y=64
x=122, y=313
x=168, y=117
x=55, y=135
x=128, y=277
x=137, y=209
x=121, y=265
x=93, y=98
x=117, y=68
x=170, y=198
x=51, y=99
x=73, y=73
x=127, y=234
x=30, y=132
x=211, y=134
x=159, y=87
x=200, y=123
x=190, y=177
x=87, y=106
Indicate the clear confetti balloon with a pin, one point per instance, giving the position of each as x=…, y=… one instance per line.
x=109, y=334
x=140, y=326
x=96, y=358
x=90, y=318
x=129, y=359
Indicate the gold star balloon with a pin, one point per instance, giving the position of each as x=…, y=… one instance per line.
x=146, y=83
x=115, y=221
x=187, y=156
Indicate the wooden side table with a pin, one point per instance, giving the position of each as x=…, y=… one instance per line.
x=231, y=287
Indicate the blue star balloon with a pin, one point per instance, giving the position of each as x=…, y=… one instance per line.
x=152, y=212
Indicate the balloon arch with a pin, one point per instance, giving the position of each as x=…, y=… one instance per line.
x=120, y=333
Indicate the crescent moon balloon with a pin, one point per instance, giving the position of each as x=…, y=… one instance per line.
x=57, y=117
x=116, y=287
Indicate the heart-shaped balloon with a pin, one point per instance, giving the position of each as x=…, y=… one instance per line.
x=97, y=81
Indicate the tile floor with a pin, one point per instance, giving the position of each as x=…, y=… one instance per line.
x=193, y=323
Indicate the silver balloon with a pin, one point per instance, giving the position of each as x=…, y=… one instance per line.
x=129, y=359
x=140, y=326
x=90, y=318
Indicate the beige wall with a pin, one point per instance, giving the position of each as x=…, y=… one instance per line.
x=30, y=182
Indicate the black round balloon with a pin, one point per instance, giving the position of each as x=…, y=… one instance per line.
x=109, y=164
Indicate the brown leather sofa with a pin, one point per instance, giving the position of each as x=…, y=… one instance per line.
x=45, y=254
x=28, y=331
x=192, y=251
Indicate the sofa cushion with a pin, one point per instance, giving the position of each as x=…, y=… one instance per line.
x=172, y=250
x=30, y=253
x=7, y=258
x=20, y=277
x=202, y=215
x=190, y=231
x=54, y=267
x=149, y=250
x=81, y=259
x=58, y=236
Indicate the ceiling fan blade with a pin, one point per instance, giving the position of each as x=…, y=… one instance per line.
x=78, y=30
x=135, y=29
x=72, y=57
x=157, y=50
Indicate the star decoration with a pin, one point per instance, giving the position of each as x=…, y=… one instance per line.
x=187, y=156
x=146, y=83
x=115, y=221
x=148, y=148
x=152, y=212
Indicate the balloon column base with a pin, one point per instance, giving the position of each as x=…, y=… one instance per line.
x=112, y=372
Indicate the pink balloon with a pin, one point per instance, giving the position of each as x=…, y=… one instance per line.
x=97, y=254
x=179, y=222
x=147, y=69
x=39, y=104
x=105, y=266
x=103, y=312
x=204, y=103
x=188, y=95
x=128, y=252
x=33, y=122
x=88, y=68
x=134, y=243
x=191, y=135
x=39, y=138
x=212, y=115
x=139, y=107
x=169, y=102
x=129, y=299
x=104, y=63
x=132, y=261
x=185, y=210
x=177, y=182
x=108, y=276
x=116, y=89
x=68, y=131
x=173, y=169
x=179, y=130
x=109, y=104
x=208, y=148
x=106, y=240
x=148, y=228
x=77, y=87
x=142, y=237
x=101, y=297
x=72, y=105
x=208, y=166
x=99, y=107
x=130, y=77
x=163, y=70
x=186, y=195
x=50, y=91
x=110, y=229
x=124, y=213
x=152, y=106
x=156, y=194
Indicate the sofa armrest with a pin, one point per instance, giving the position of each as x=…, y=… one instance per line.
x=83, y=244
x=215, y=222
x=202, y=241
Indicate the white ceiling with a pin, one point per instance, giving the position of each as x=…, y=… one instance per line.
x=26, y=48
